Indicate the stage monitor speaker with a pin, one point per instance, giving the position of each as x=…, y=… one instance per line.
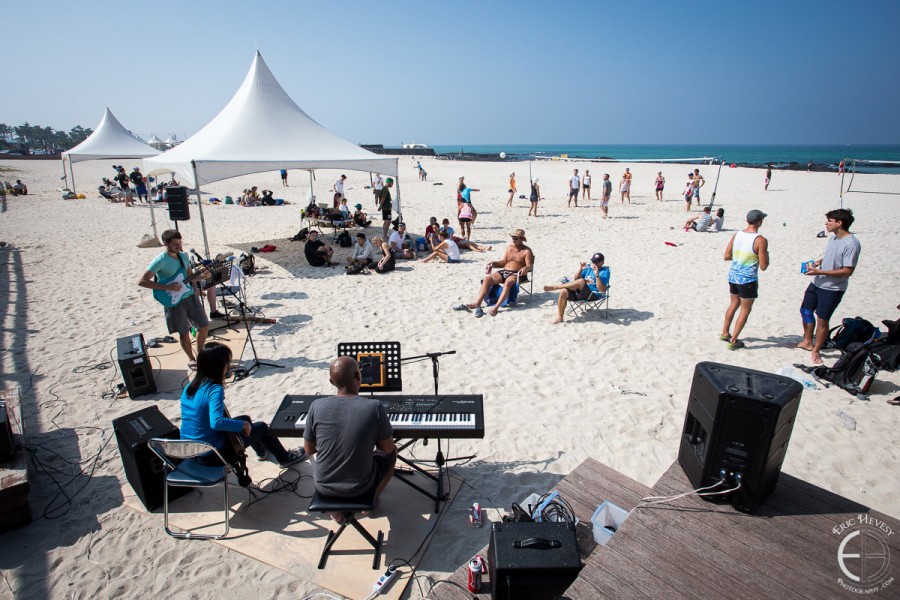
x=143, y=469
x=134, y=362
x=737, y=428
x=177, y=199
x=532, y=561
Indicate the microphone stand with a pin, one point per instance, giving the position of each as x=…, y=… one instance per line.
x=244, y=372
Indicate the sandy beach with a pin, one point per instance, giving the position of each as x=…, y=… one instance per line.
x=613, y=388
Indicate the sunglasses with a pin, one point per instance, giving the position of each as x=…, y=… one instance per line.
x=516, y=237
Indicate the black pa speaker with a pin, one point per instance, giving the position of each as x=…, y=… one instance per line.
x=737, y=428
x=143, y=469
x=532, y=561
x=134, y=363
x=177, y=199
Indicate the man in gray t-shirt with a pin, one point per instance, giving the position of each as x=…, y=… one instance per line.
x=342, y=431
x=831, y=276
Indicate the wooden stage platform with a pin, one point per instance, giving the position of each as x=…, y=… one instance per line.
x=691, y=548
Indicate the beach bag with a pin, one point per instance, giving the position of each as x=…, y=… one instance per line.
x=848, y=373
x=344, y=240
x=301, y=235
x=849, y=331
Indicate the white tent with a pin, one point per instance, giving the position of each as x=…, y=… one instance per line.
x=156, y=142
x=109, y=140
x=262, y=129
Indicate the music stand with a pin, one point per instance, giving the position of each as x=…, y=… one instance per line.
x=244, y=372
x=220, y=274
x=379, y=364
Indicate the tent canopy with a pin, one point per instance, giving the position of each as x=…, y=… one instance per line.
x=109, y=140
x=262, y=129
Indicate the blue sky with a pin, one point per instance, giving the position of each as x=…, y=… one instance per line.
x=464, y=72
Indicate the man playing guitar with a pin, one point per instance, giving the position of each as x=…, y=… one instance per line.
x=169, y=276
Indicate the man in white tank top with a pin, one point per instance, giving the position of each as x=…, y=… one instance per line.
x=748, y=252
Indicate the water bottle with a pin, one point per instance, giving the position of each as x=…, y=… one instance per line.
x=193, y=331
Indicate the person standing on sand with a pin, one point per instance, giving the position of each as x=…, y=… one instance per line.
x=768, y=177
x=187, y=311
x=748, y=252
x=284, y=182
x=535, y=197
x=339, y=190
x=625, y=186
x=607, y=192
x=512, y=188
x=586, y=185
x=660, y=186
x=809, y=166
x=688, y=192
x=698, y=182
x=574, y=187
x=384, y=201
x=832, y=274
x=377, y=186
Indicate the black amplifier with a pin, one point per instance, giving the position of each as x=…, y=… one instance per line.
x=134, y=363
x=532, y=561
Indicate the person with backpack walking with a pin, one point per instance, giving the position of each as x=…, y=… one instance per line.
x=748, y=252
x=831, y=276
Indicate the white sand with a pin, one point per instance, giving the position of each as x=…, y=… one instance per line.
x=614, y=389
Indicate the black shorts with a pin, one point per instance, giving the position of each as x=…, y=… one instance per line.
x=823, y=302
x=586, y=186
x=386, y=214
x=582, y=294
x=746, y=291
x=573, y=192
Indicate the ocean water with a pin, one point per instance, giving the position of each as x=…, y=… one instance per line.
x=778, y=155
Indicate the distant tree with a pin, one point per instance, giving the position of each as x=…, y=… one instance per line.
x=78, y=134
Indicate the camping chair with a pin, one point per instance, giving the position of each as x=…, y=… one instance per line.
x=524, y=285
x=187, y=472
x=593, y=302
x=348, y=507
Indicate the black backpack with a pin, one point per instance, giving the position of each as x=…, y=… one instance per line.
x=344, y=240
x=301, y=235
x=248, y=264
x=850, y=331
x=848, y=373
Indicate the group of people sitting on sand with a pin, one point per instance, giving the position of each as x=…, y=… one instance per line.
x=19, y=189
x=251, y=197
x=706, y=222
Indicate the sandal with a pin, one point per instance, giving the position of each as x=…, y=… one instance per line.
x=724, y=337
x=895, y=401
x=738, y=344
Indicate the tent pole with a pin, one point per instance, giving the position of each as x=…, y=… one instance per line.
x=200, y=207
x=72, y=171
x=65, y=175
x=153, y=219
x=312, y=196
x=843, y=160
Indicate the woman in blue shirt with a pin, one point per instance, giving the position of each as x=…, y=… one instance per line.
x=203, y=412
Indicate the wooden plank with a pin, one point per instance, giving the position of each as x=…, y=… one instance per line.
x=14, y=487
x=763, y=538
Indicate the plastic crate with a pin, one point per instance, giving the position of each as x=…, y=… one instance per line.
x=606, y=520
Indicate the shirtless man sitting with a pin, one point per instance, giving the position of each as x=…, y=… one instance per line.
x=516, y=262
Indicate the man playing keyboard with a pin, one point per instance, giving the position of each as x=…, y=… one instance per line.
x=350, y=436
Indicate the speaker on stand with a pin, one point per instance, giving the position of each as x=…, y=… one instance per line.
x=177, y=199
x=736, y=430
x=143, y=469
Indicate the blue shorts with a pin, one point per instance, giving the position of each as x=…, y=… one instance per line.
x=696, y=192
x=823, y=302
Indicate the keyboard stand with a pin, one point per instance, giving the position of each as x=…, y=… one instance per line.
x=440, y=495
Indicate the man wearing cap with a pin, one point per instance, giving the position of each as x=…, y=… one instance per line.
x=831, y=277
x=339, y=190
x=748, y=252
x=401, y=244
x=590, y=281
x=384, y=201
x=574, y=187
x=359, y=217
x=516, y=262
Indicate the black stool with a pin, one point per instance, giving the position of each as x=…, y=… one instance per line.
x=348, y=507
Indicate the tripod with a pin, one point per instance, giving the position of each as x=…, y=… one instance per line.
x=439, y=458
x=244, y=372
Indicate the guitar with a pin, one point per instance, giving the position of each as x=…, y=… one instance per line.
x=170, y=299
